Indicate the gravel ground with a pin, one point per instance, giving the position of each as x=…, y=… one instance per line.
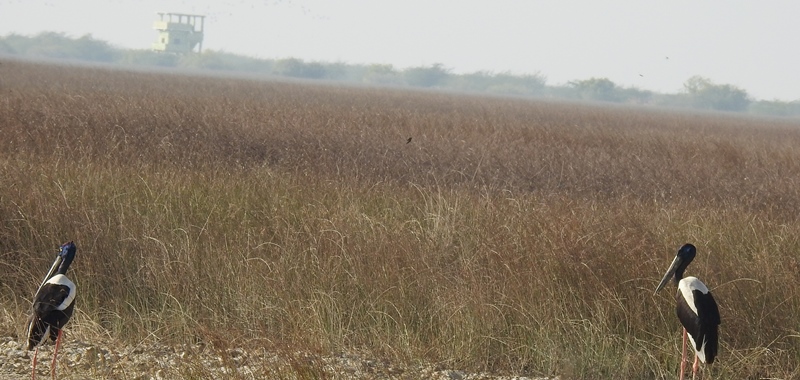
x=81, y=360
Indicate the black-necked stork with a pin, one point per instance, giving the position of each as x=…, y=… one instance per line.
x=52, y=305
x=697, y=310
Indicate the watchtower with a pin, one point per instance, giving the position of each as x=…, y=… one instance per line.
x=179, y=33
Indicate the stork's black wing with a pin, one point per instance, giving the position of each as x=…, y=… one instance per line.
x=688, y=318
x=709, y=320
x=49, y=297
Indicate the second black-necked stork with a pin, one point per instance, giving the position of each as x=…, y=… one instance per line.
x=52, y=305
x=697, y=310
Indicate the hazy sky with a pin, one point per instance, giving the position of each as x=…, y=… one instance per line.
x=654, y=45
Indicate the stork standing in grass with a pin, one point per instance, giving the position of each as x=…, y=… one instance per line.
x=697, y=310
x=52, y=305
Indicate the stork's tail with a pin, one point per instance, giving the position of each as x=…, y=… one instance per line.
x=712, y=341
x=37, y=331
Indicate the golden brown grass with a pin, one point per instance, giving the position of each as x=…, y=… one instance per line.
x=507, y=236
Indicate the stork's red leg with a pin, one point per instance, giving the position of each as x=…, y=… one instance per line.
x=33, y=372
x=695, y=366
x=55, y=352
x=683, y=355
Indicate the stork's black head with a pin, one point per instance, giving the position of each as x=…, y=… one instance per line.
x=685, y=256
x=66, y=255
x=687, y=253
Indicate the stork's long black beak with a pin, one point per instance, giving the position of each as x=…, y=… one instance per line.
x=51, y=272
x=670, y=273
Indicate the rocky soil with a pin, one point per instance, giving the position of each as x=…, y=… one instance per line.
x=82, y=360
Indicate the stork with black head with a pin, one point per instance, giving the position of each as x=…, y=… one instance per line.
x=696, y=308
x=53, y=305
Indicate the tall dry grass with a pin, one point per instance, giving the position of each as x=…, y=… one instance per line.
x=508, y=235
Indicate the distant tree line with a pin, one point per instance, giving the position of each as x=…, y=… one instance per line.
x=698, y=93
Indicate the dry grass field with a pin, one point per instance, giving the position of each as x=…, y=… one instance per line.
x=508, y=236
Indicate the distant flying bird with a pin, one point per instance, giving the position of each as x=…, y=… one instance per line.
x=409, y=140
x=53, y=305
x=697, y=310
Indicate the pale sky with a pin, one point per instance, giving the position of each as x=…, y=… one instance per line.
x=652, y=45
